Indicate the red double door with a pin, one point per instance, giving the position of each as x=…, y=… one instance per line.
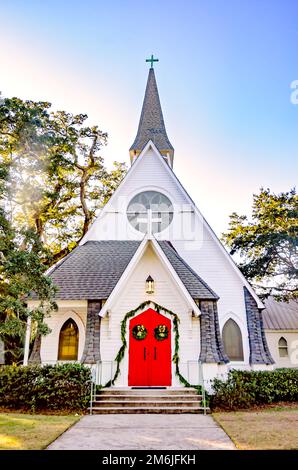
x=149, y=358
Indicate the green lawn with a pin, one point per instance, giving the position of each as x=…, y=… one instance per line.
x=31, y=432
x=272, y=428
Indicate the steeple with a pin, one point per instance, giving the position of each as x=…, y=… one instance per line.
x=151, y=125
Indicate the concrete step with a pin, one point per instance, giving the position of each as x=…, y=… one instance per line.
x=145, y=391
x=147, y=397
x=145, y=404
x=148, y=410
x=147, y=400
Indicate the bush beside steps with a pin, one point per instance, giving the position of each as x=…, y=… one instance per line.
x=59, y=387
x=244, y=389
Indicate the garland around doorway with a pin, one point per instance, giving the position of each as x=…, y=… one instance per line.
x=122, y=349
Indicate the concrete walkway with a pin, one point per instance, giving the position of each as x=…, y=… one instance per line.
x=144, y=432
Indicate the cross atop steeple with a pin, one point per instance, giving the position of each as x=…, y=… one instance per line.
x=151, y=125
x=152, y=60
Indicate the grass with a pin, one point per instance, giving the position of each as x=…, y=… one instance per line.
x=31, y=432
x=265, y=429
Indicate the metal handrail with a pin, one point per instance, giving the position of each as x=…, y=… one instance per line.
x=93, y=387
x=98, y=375
x=201, y=380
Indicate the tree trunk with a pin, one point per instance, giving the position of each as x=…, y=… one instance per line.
x=39, y=227
x=87, y=217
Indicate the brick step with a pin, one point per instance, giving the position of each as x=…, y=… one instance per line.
x=148, y=410
x=148, y=397
x=141, y=403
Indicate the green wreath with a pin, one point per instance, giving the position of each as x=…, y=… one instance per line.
x=161, y=332
x=139, y=332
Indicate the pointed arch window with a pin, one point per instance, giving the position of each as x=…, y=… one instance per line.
x=232, y=340
x=283, y=347
x=68, y=341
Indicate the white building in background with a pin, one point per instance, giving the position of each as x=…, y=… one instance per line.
x=281, y=330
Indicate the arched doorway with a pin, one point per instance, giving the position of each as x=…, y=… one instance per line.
x=150, y=350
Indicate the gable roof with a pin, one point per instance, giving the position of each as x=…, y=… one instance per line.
x=131, y=171
x=280, y=315
x=151, y=125
x=195, y=285
x=92, y=271
x=133, y=263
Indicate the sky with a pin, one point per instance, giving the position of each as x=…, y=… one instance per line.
x=224, y=76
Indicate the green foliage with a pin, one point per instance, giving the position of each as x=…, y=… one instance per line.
x=243, y=389
x=161, y=332
x=52, y=180
x=37, y=388
x=139, y=332
x=268, y=245
x=55, y=176
x=21, y=272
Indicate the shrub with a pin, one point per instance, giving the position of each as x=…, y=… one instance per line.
x=48, y=387
x=243, y=389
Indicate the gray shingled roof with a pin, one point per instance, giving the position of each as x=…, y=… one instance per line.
x=195, y=285
x=151, y=125
x=280, y=315
x=92, y=270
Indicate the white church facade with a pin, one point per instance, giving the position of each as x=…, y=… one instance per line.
x=150, y=293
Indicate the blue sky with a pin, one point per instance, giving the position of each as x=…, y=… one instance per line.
x=224, y=79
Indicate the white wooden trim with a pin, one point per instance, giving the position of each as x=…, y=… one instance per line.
x=133, y=262
x=123, y=278
x=27, y=342
x=175, y=276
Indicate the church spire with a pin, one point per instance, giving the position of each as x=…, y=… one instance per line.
x=151, y=125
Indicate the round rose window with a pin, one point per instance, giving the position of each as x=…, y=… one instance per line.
x=150, y=211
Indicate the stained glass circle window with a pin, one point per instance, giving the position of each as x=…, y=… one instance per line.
x=150, y=209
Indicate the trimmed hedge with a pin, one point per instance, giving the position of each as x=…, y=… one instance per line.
x=48, y=387
x=244, y=389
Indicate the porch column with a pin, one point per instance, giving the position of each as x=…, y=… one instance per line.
x=27, y=341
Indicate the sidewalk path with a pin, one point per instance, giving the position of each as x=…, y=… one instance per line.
x=144, y=432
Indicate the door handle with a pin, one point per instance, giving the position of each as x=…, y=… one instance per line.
x=144, y=354
x=155, y=354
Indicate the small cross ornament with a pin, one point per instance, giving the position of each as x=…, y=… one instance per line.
x=152, y=60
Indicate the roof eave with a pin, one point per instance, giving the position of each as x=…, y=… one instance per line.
x=141, y=249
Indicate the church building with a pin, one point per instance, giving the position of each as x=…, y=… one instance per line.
x=150, y=296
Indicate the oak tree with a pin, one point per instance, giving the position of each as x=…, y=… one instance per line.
x=268, y=244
